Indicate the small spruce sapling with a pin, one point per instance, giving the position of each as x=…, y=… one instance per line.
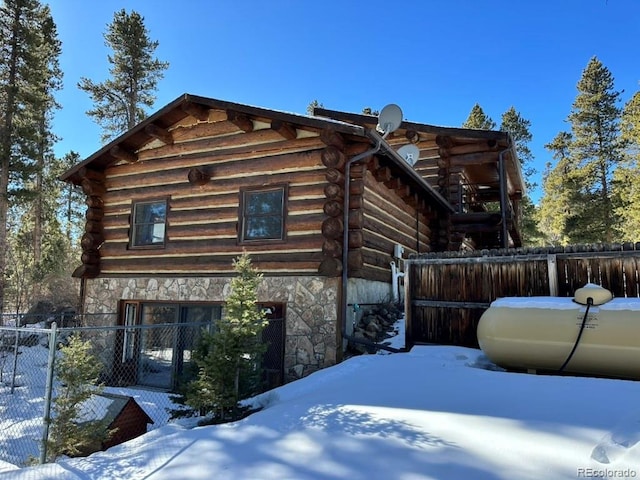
x=229, y=360
x=77, y=371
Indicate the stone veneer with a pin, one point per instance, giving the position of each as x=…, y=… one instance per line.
x=311, y=309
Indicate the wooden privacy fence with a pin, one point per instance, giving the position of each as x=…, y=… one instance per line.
x=448, y=292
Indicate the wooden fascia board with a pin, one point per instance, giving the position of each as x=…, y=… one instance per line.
x=370, y=120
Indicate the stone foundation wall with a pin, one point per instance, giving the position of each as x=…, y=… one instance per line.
x=311, y=309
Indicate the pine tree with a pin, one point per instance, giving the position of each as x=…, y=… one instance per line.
x=71, y=203
x=77, y=371
x=630, y=125
x=559, y=192
x=596, y=150
x=625, y=178
x=519, y=129
x=29, y=75
x=478, y=120
x=312, y=105
x=120, y=100
x=229, y=359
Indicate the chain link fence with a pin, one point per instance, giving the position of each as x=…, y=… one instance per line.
x=140, y=365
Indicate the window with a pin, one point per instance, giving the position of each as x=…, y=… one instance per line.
x=157, y=345
x=263, y=213
x=148, y=225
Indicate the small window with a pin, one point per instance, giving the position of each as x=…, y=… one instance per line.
x=148, y=225
x=263, y=214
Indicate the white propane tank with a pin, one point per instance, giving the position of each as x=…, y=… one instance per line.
x=538, y=333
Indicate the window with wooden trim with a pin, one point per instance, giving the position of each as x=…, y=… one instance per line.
x=148, y=223
x=263, y=214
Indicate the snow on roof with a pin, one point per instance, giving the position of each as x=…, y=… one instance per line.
x=94, y=408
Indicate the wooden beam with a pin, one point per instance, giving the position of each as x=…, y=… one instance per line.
x=332, y=228
x=488, y=218
x=332, y=157
x=197, y=111
x=199, y=176
x=332, y=208
x=474, y=159
x=92, y=188
x=122, y=154
x=243, y=122
x=482, y=146
x=284, y=129
x=91, y=174
x=330, y=267
x=332, y=138
x=444, y=141
x=333, y=175
x=159, y=133
x=86, y=271
x=333, y=191
x=331, y=248
x=383, y=174
x=412, y=136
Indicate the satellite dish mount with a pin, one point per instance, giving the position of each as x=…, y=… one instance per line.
x=389, y=119
x=410, y=153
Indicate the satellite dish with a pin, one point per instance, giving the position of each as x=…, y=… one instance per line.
x=389, y=119
x=410, y=153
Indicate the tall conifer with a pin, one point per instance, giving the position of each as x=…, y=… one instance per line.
x=120, y=101
x=29, y=75
x=596, y=150
x=479, y=120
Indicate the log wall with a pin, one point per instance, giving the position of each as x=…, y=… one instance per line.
x=201, y=174
x=388, y=220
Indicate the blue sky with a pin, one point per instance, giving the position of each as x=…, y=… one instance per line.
x=434, y=58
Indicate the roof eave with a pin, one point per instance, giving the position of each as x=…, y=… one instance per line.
x=408, y=170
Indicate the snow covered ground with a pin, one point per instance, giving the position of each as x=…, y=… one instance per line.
x=434, y=413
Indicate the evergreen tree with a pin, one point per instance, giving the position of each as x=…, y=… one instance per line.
x=596, y=150
x=627, y=200
x=478, y=120
x=558, y=192
x=519, y=129
x=73, y=426
x=625, y=178
x=120, y=100
x=70, y=201
x=630, y=125
x=313, y=104
x=29, y=75
x=229, y=360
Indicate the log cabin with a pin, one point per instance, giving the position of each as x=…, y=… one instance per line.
x=174, y=200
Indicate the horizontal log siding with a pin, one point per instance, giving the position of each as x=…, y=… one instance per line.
x=202, y=221
x=388, y=220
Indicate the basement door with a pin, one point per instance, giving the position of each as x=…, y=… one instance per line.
x=156, y=350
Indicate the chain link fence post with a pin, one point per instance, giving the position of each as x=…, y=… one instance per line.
x=48, y=391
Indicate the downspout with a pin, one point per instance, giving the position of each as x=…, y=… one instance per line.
x=345, y=250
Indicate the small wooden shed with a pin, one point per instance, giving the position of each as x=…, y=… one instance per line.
x=126, y=419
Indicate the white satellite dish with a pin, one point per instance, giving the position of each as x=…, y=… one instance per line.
x=389, y=119
x=410, y=153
